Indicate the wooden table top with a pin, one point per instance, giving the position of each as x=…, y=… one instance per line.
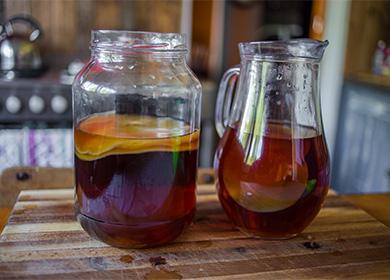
x=43, y=241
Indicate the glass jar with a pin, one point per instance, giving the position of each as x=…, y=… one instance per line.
x=136, y=133
x=272, y=163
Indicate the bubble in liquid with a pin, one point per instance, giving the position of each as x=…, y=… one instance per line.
x=279, y=76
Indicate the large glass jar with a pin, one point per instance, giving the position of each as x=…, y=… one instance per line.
x=136, y=131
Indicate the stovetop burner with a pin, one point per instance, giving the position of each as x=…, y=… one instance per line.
x=42, y=100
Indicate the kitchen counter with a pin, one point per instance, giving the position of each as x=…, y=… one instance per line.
x=42, y=239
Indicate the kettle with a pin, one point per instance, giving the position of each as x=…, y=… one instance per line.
x=20, y=54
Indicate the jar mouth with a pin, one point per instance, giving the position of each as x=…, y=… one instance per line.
x=299, y=49
x=137, y=41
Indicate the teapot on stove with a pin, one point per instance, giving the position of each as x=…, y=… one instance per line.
x=20, y=53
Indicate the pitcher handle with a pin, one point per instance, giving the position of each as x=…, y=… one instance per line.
x=223, y=104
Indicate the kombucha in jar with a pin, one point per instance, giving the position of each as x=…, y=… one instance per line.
x=136, y=134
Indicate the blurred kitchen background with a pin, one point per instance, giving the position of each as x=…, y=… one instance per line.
x=50, y=41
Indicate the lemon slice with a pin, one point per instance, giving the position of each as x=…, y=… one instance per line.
x=262, y=198
x=268, y=187
x=276, y=175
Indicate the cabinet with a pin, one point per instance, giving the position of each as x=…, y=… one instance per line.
x=362, y=154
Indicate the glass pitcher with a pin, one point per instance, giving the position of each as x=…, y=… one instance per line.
x=136, y=133
x=272, y=163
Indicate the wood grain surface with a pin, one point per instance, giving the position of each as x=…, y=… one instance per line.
x=67, y=23
x=43, y=241
x=15, y=179
x=377, y=205
x=368, y=23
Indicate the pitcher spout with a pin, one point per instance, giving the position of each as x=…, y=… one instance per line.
x=316, y=48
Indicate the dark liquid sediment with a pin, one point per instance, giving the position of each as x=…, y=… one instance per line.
x=135, y=179
x=277, y=194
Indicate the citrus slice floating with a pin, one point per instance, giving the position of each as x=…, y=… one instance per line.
x=268, y=172
x=270, y=185
x=261, y=198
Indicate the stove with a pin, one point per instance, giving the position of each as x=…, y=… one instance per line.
x=35, y=102
x=35, y=123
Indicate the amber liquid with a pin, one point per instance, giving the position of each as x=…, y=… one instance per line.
x=280, y=191
x=135, y=178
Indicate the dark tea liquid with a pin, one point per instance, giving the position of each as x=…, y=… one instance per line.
x=277, y=193
x=135, y=178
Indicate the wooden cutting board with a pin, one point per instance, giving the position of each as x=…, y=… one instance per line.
x=43, y=241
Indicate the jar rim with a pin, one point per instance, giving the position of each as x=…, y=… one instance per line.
x=137, y=41
x=306, y=49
